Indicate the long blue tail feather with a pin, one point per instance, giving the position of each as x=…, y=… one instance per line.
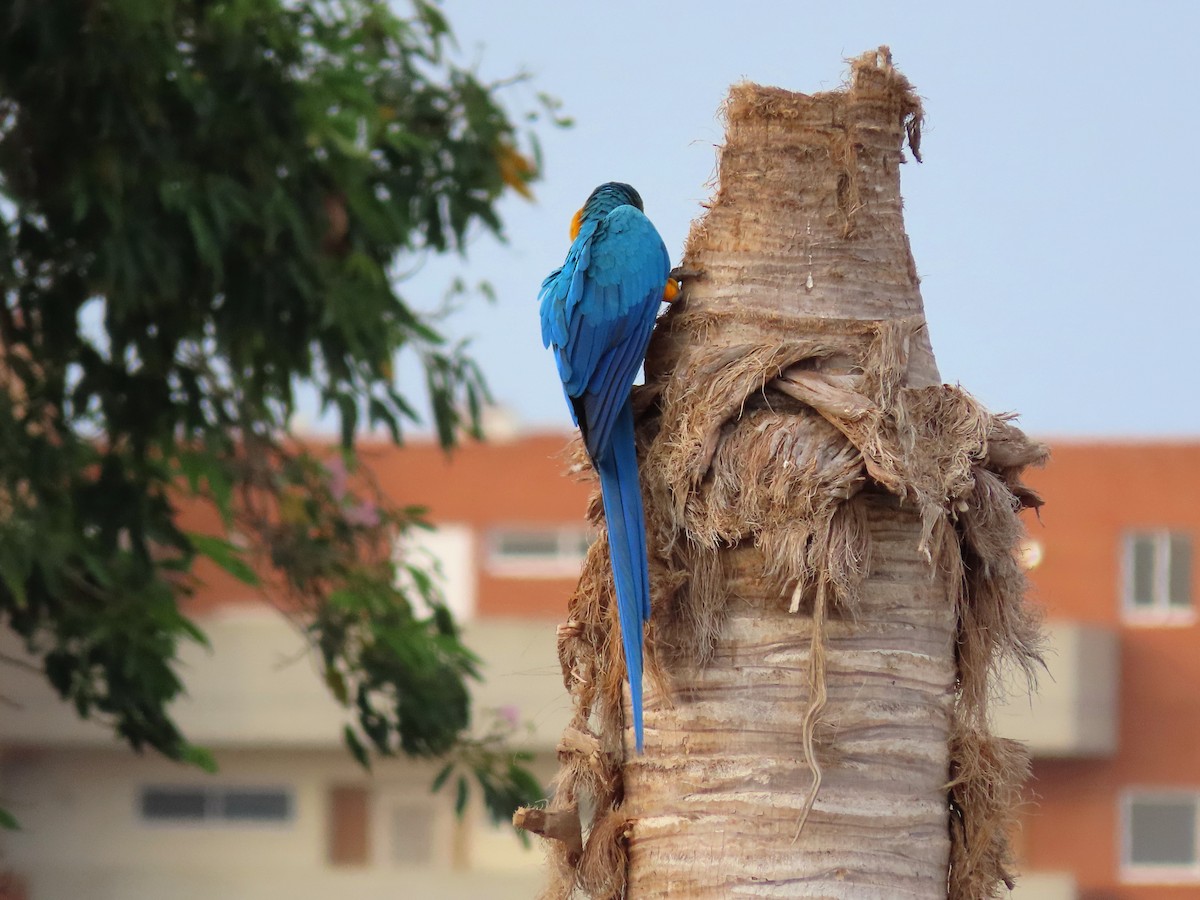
x=621, y=491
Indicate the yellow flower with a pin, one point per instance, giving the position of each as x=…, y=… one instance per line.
x=516, y=169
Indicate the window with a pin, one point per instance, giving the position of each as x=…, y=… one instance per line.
x=1161, y=837
x=411, y=828
x=201, y=804
x=1158, y=576
x=257, y=805
x=349, y=825
x=538, y=552
x=411, y=834
x=174, y=804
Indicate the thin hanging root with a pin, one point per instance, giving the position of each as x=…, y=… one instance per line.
x=816, y=704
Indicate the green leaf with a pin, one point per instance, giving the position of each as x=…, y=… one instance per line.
x=198, y=756
x=433, y=18
x=462, y=795
x=348, y=408
x=527, y=787
x=207, y=466
x=225, y=555
x=356, y=748
x=8, y=821
x=378, y=413
x=13, y=572
x=336, y=683
x=192, y=630
x=441, y=777
x=206, y=244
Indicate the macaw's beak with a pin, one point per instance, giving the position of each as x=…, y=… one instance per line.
x=674, y=286
x=576, y=220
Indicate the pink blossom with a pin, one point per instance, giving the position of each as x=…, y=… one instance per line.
x=365, y=515
x=338, y=477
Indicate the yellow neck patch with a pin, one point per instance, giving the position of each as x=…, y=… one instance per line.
x=576, y=220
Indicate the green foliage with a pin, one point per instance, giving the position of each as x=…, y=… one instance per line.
x=504, y=781
x=200, y=206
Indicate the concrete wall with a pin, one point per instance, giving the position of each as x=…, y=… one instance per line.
x=257, y=699
x=1075, y=710
x=83, y=836
x=1045, y=886
x=258, y=686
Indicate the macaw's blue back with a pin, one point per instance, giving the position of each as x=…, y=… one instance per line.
x=598, y=310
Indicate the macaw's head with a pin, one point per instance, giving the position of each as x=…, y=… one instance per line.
x=604, y=200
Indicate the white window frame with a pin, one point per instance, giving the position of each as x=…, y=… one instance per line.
x=565, y=563
x=213, y=803
x=1151, y=873
x=1161, y=612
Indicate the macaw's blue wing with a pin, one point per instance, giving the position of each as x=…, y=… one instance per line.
x=597, y=313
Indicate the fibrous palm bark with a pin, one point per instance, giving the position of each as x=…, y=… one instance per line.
x=832, y=536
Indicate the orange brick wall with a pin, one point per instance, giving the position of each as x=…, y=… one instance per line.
x=484, y=486
x=487, y=486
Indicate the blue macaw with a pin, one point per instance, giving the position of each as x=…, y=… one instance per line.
x=598, y=309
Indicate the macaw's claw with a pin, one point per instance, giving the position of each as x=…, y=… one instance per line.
x=679, y=273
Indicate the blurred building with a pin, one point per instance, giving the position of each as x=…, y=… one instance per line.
x=1113, y=810
x=289, y=815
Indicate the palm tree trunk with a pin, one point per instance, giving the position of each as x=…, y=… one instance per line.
x=832, y=536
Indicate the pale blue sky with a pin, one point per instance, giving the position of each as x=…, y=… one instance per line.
x=1053, y=221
